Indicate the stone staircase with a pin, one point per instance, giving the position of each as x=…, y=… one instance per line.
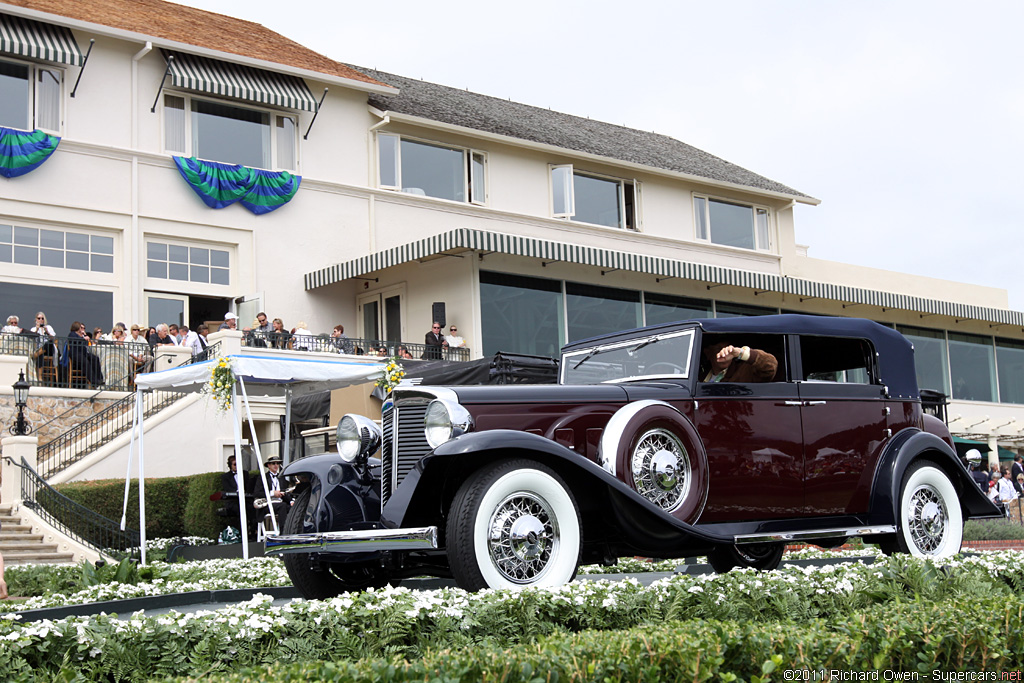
x=20, y=546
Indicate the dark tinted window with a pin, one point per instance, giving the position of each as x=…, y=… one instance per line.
x=835, y=359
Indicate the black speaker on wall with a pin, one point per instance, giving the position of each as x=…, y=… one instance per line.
x=437, y=311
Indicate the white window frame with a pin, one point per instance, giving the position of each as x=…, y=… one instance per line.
x=570, y=193
x=34, y=71
x=190, y=285
x=756, y=209
x=469, y=155
x=239, y=104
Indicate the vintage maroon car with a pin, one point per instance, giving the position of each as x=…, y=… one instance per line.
x=638, y=452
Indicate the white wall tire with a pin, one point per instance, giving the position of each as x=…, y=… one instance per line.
x=930, y=522
x=514, y=525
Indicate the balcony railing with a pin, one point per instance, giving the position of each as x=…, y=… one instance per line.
x=361, y=347
x=74, y=363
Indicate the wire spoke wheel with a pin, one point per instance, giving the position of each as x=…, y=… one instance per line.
x=928, y=519
x=661, y=468
x=522, y=536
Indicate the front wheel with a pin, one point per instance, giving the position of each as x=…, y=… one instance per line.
x=930, y=522
x=763, y=556
x=513, y=524
x=316, y=581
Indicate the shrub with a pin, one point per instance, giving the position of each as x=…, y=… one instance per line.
x=164, y=503
x=200, y=513
x=993, y=530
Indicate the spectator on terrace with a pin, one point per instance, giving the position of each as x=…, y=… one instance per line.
x=1018, y=485
x=341, y=342
x=302, y=338
x=230, y=322
x=98, y=335
x=279, y=337
x=453, y=338
x=80, y=357
x=199, y=342
x=434, y=342
x=1017, y=468
x=187, y=337
x=12, y=326
x=175, y=333
x=41, y=328
x=161, y=337
x=258, y=334
x=403, y=353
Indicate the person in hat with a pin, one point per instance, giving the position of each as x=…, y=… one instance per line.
x=279, y=497
x=230, y=322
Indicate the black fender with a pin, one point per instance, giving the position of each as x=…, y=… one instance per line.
x=902, y=450
x=417, y=500
x=344, y=495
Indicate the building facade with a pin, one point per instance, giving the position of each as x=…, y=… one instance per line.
x=170, y=165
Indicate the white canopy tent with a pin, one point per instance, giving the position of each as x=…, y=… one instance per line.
x=259, y=375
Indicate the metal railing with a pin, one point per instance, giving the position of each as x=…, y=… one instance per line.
x=103, y=427
x=73, y=363
x=72, y=518
x=361, y=347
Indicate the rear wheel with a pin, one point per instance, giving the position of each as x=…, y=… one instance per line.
x=316, y=580
x=764, y=556
x=513, y=524
x=929, y=520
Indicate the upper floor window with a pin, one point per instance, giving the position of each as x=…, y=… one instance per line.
x=218, y=131
x=431, y=170
x=732, y=224
x=30, y=96
x=56, y=249
x=589, y=198
x=187, y=263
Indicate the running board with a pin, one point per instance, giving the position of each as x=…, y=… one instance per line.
x=774, y=537
x=361, y=541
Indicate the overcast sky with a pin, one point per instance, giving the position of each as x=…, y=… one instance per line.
x=903, y=118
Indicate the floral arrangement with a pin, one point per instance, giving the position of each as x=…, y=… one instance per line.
x=222, y=379
x=393, y=374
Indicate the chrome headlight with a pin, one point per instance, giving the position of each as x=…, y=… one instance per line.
x=358, y=438
x=444, y=421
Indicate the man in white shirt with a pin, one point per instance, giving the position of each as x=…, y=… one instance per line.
x=188, y=338
x=197, y=339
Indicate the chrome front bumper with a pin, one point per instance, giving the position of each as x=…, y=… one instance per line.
x=362, y=541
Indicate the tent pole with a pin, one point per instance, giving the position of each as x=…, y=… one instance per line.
x=142, y=477
x=259, y=457
x=236, y=422
x=287, y=426
x=131, y=455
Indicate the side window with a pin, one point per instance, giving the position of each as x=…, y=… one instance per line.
x=757, y=358
x=837, y=359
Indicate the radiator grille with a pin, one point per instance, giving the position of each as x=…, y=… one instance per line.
x=403, y=443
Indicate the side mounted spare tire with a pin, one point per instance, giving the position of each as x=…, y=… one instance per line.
x=513, y=524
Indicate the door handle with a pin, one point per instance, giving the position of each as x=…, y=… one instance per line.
x=814, y=403
x=793, y=403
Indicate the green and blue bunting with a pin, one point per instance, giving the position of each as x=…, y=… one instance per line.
x=220, y=185
x=270, y=190
x=23, y=151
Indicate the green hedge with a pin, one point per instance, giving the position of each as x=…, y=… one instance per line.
x=175, y=506
x=993, y=530
x=985, y=635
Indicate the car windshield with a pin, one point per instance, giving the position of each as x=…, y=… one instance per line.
x=649, y=357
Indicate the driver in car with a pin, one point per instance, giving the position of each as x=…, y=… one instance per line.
x=739, y=364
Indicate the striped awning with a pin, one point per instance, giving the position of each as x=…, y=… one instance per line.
x=215, y=77
x=36, y=40
x=463, y=239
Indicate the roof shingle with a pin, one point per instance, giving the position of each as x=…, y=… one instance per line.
x=503, y=117
x=192, y=26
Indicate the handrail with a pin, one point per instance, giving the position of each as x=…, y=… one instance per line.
x=46, y=360
x=90, y=527
x=117, y=418
x=350, y=345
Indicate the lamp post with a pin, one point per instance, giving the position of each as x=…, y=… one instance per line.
x=21, y=387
